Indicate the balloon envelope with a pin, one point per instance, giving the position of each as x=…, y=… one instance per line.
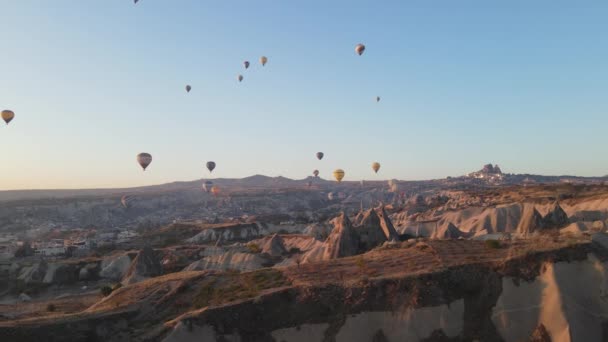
x=339, y=175
x=377, y=98
x=376, y=167
x=246, y=64
x=8, y=116
x=144, y=159
x=320, y=155
x=210, y=166
x=240, y=78
x=207, y=186
x=263, y=60
x=316, y=173
x=359, y=49
x=188, y=88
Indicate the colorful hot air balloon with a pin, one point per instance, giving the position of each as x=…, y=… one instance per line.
x=215, y=190
x=359, y=49
x=207, y=186
x=316, y=173
x=144, y=159
x=210, y=166
x=188, y=88
x=240, y=78
x=263, y=60
x=246, y=64
x=8, y=116
x=127, y=201
x=339, y=174
x=320, y=155
x=377, y=98
x=376, y=167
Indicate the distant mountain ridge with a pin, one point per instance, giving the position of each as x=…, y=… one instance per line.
x=489, y=174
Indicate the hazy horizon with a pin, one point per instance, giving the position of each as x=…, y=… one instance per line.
x=93, y=84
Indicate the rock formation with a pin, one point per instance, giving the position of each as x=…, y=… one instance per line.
x=556, y=217
x=342, y=241
x=369, y=231
x=145, y=265
x=387, y=226
x=275, y=246
x=531, y=220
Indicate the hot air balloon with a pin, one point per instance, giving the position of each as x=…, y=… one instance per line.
x=135, y=1
x=240, y=78
x=339, y=174
x=376, y=167
x=330, y=196
x=127, y=201
x=144, y=159
x=246, y=64
x=320, y=155
x=8, y=116
x=263, y=60
x=207, y=186
x=210, y=166
x=316, y=173
x=215, y=190
x=377, y=98
x=359, y=49
x=188, y=88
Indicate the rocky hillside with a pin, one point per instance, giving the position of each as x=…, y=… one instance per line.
x=416, y=291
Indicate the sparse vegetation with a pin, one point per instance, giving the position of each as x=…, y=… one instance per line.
x=232, y=287
x=493, y=244
x=254, y=248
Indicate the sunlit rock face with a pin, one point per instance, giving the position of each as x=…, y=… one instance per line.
x=568, y=299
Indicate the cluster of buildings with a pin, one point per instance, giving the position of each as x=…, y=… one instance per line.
x=79, y=244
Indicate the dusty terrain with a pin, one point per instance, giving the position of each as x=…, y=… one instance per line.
x=445, y=260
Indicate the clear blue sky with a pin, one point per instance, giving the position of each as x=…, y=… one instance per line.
x=520, y=83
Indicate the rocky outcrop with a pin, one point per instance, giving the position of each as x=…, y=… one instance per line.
x=342, y=241
x=540, y=334
x=451, y=232
x=233, y=232
x=387, y=226
x=145, y=265
x=369, y=231
x=115, y=268
x=556, y=217
x=58, y=273
x=275, y=246
x=229, y=260
x=531, y=221
x=34, y=273
x=318, y=230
